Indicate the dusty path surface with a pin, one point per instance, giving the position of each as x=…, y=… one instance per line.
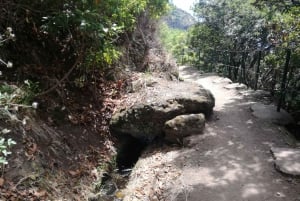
x=232, y=160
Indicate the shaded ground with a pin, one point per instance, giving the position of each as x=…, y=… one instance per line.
x=231, y=161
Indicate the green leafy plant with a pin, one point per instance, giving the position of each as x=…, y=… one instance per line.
x=174, y=40
x=29, y=91
x=5, y=145
x=11, y=99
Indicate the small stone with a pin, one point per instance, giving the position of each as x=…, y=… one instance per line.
x=236, y=86
x=9, y=64
x=108, y=188
x=93, y=197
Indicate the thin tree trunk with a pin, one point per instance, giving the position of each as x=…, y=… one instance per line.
x=243, y=69
x=257, y=70
x=230, y=66
x=251, y=68
x=284, y=79
x=275, y=74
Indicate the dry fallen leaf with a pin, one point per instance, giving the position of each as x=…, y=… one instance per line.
x=119, y=195
x=40, y=194
x=32, y=149
x=1, y=182
x=75, y=173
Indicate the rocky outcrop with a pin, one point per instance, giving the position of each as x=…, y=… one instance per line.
x=158, y=103
x=182, y=126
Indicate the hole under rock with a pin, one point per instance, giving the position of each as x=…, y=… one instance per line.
x=129, y=151
x=295, y=130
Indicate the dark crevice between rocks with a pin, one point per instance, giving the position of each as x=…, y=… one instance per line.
x=129, y=151
x=294, y=129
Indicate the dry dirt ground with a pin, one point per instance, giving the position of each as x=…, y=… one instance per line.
x=231, y=161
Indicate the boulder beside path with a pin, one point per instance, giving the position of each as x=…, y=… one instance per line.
x=156, y=104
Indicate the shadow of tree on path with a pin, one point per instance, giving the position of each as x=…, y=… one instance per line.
x=232, y=160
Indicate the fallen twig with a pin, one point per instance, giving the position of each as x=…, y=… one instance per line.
x=22, y=180
x=64, y=77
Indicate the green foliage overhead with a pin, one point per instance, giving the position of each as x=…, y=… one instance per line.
x=60, y=31
x=233, y=35
x=46, y=41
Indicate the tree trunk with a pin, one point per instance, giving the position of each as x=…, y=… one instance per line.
x=284, y=79
x=275, y=74
x=257, y=70
x=243, y=69
x=230, y=66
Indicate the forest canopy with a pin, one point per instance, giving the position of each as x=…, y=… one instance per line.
x=253, y=42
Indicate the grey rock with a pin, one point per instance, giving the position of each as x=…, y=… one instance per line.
x=136, y=85
x=258, y=94
x=236, y=86
x=165, y=100
x=94, y=197
x=269, y=113
x=287, y=160
x=223, y=80
x=261, y=94
x=109, y=188
x=182, y=126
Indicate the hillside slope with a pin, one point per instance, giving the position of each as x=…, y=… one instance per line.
x=179, y=19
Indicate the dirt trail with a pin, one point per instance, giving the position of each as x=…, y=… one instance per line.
x=232, y=160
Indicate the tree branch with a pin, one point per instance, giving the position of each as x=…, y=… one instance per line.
x=78, y=60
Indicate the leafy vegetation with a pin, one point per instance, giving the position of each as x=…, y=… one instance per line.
x=67, y=57
x=5, y=145
x=175, y=42
x=251, y=44
x=62, y=47
x=53, y=35
x=173, y=32
x=10, y=102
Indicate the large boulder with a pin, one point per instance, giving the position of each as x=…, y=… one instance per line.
x=182, y=126
x=145, y=117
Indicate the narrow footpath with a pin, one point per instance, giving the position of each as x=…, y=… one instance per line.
x=232, y=160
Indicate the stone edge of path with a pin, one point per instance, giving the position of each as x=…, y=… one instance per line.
x=287, y=160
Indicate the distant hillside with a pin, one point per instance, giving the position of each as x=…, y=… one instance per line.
x=179, y=19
